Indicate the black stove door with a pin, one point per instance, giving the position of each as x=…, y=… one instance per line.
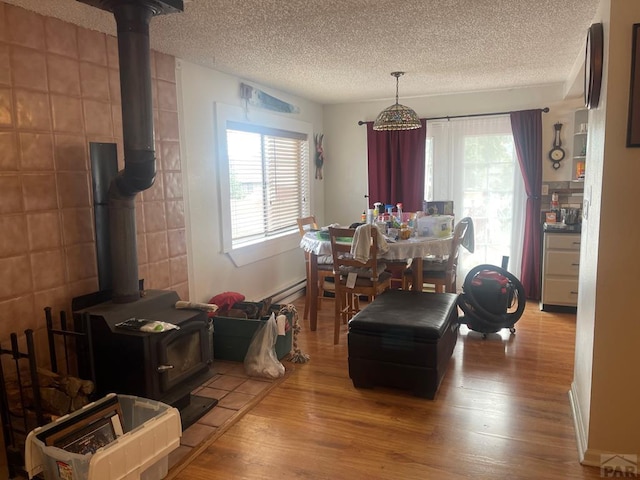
x=182, y=354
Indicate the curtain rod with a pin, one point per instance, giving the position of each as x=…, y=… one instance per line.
x=544, y=110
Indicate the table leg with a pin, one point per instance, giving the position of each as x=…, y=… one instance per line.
x=416, y=268
x=312, y=285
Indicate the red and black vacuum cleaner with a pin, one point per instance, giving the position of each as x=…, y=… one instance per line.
x=492, y=299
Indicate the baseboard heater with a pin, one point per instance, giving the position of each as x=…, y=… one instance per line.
x=290, y=293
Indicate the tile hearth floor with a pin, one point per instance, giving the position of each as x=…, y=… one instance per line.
x=234, y=390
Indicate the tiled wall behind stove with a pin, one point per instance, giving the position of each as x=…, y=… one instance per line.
x=60, y=90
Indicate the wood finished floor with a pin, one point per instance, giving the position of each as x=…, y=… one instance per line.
x=502, y=411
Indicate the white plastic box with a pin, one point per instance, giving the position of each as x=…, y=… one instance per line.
x=438, y=226
x=151, y=431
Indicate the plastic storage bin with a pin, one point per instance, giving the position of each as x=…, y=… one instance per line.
x=438, y=226
x=151, y=431
x=232, y=336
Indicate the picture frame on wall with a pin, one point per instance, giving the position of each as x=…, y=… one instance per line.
x=633, y=126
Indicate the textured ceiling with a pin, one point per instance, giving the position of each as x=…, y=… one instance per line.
x=336, y=51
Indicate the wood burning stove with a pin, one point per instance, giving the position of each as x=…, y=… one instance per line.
x=161, y=366
x=164, y=366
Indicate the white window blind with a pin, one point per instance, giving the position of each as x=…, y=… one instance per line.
x=268, y=177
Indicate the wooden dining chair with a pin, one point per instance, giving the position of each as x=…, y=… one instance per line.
x=371, y=279
x=442, y=273
x=397, y=269
x=325, y=265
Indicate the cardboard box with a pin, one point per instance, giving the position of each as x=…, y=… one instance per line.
x=232, y=336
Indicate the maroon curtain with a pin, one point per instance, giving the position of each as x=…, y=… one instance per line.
x=527, y=136
x=396, y=166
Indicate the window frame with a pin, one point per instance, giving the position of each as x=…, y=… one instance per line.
x=268, y=246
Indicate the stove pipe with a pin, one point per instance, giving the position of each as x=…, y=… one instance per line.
x=132, y=19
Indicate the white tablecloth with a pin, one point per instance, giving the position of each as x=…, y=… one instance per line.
x=415, y=247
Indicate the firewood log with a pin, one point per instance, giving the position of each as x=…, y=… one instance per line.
x=55, y=401
x=70, y=385
x=88, y=387
x=78, y=402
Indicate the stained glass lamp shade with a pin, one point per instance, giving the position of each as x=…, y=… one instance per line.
x=397, y=117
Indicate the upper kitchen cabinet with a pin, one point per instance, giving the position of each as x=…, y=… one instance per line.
x=580, y=128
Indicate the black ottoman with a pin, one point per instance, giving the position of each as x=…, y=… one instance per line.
x=403, y=339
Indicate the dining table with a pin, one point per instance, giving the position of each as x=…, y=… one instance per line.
x=415, y=248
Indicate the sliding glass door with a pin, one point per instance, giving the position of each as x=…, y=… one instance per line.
x=473, y=162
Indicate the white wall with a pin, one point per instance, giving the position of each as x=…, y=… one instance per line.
x=211, y=271
x=346, y=141
x=605, y=388
x=581, y=386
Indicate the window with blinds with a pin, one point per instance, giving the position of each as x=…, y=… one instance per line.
x=268, y=181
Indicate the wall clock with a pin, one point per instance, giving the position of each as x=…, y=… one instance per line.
x=593, y=65
x=556, y=154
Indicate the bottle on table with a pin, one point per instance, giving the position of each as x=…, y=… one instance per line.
x=555, y=206
x=377, y=210
x=370, y=216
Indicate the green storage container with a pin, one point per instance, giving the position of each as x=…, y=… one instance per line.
x=232, y=336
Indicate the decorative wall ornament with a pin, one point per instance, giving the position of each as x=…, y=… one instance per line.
x=557, y=153
x=319, y=160
x=593, y=62
x=258, y=98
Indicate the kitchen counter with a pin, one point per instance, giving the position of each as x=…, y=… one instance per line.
x=561, y=228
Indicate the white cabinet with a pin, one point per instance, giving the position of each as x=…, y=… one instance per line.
x=580, y=126
x=560, y=266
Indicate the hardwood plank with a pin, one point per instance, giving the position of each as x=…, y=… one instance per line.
x=502, y=412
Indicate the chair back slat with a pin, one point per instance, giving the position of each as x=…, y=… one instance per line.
x=445, y=277
x=451, y=269
x=307, y=223
x=341, y=242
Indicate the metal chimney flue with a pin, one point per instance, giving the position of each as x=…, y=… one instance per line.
x=132, y=20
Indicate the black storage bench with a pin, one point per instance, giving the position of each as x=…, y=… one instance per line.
x=403, y=339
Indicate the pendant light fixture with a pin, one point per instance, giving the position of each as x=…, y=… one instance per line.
x=397, y=117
